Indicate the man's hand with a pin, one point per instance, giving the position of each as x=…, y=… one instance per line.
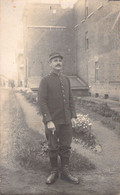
x=51, y=126
x=73, y=120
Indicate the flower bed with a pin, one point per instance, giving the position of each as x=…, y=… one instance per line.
x=100, y=107
x=82, y=133
x=28, y=93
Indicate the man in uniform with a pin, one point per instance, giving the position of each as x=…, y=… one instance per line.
x=57, y=107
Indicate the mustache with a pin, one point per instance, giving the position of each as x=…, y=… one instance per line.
x=58, y=65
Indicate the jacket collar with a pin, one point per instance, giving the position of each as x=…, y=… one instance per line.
x=55, y=73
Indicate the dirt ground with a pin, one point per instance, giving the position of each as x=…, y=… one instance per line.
x=30, y=179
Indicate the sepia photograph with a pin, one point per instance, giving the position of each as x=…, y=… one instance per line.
x=60, y=97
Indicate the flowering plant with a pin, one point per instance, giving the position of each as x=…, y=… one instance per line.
x=82, y=123
x=82, y=133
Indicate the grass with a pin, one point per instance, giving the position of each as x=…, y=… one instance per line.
x=79, y=162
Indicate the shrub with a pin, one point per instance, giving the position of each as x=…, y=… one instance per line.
x=82, y=133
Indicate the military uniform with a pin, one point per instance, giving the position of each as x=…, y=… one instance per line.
x=56, y=104
x=57, y=107
x=55, y=99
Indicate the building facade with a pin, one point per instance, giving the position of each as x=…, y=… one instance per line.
x=97, y=40
x=87, y=36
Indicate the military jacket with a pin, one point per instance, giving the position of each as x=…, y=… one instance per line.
x=55, y=99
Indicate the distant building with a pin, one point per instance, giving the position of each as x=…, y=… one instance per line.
x=87, y=36
x=21, y=69
x=4, y=81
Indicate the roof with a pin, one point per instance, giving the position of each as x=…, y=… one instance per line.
x=77, y=83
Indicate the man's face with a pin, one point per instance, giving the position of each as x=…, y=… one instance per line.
x=56, y=63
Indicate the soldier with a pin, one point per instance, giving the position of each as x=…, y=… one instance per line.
x=58, y=111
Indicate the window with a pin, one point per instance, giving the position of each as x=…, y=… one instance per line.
x=86, y=41
x=86, y=8
x=96, y=71
x=86, y=12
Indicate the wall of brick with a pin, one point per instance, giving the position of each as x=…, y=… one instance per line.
x=40, y=42
x=103, y=27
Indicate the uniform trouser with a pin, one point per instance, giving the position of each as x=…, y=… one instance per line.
x=59, y=143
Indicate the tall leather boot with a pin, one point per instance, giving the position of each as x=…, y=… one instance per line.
x=54, y=172
x=65, y=174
